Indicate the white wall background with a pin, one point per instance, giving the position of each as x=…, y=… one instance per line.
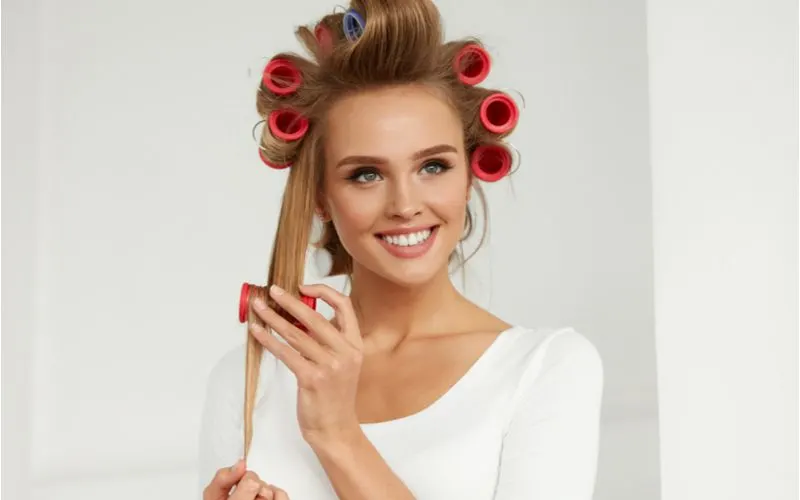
x=135, y=205
x=723, y=101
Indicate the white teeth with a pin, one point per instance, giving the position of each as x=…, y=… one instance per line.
x=408, y=240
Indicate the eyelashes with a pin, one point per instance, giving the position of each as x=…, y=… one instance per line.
x=442, y=166
x=365, y=175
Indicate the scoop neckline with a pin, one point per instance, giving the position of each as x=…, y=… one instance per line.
x=460, y=386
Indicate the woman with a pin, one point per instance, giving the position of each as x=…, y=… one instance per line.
x=411, y=391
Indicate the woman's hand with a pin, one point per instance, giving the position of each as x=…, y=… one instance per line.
x=247, y=486
x=326, y=360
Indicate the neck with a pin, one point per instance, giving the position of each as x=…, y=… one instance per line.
x=389, y=313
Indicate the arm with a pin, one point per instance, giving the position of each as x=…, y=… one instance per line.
x=551, y=443
x=356, y=469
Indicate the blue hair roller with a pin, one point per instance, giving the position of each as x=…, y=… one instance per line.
x=353, y=25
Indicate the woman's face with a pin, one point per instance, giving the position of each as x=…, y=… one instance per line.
x=396, y=181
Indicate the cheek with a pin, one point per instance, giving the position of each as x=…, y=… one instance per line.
x=450, y=202
x=355, y=214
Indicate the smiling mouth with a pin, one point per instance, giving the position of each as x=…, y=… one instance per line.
x=408, y=239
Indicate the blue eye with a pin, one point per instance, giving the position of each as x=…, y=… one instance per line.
x=435, y=167
x=364, y=175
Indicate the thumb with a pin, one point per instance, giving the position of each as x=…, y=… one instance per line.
x=226, y=478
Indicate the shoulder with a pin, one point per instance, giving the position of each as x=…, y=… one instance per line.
x=558, y=359
x=567, y=346
x=552, y=346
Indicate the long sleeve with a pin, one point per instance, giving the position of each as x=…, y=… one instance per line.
x=221, y=438
x=551, y=441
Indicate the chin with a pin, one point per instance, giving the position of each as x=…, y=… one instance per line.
x=411, y=276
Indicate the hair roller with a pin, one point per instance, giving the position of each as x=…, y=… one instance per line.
x=472, y=64
x=490, y=162
x=250, y=292
x=271, y=164
x=244, y=302
x=287, y=124
x=281, y=76
x=278, y=150
x=353, y=25
x=499, y=113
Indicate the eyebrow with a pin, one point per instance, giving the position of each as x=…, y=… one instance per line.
x=377, y=160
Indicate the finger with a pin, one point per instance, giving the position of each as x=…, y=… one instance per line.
x=280, y=494
x=343, y=307
x=224, y=480
x=295, y=361
x=315, y=322
x=266, y=493
x=303, y=343
x=248, y=488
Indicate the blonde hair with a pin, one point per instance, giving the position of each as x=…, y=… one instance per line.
x=401, y=43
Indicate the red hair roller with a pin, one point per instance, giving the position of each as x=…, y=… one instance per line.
x=270, y=164
x=324, y=37
x=248, y=290
x=281, y=76
x=490, y=162
x=244, y=302
x=287, y=124
x=472, y=64
x=499, y=113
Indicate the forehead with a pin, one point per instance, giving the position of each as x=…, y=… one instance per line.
x=392, y=122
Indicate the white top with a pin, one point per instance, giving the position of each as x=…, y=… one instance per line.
x=522, y=423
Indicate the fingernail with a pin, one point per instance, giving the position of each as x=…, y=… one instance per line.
x=259, y=304
x=276, y=290
x=266, y=493
x=236, y=465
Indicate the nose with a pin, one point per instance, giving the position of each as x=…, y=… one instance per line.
x=405, y=201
